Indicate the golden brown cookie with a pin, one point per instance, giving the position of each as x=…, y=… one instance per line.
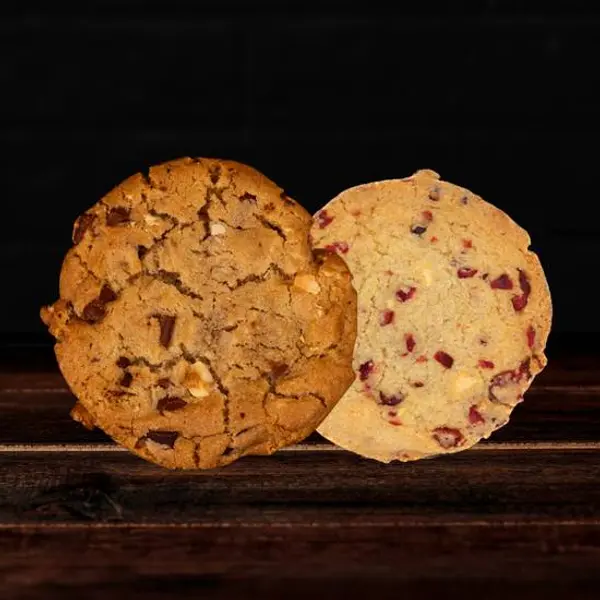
x=453, y=316
x=195, y=325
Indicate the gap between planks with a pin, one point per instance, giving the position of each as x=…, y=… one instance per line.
x=486, y=447
x=516, y=523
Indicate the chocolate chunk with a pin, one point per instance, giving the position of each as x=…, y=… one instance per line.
x=215, y=174
x=126, y=380
x=107, y=294
x=94, y=311
x=142, y=251
x=123, y=362
x=248, y=197
x=170, y=403
x=167, y=325
x=279, y=370
x=117, y=215
x=165, y=438
x=81, y=226
x=164, y=383
x=418, y=229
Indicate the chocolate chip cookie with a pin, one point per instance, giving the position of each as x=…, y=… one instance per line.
x=195, y=324
x=454, y=315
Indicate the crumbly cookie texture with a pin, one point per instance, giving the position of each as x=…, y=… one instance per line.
x=195, y=324
x=454, y=313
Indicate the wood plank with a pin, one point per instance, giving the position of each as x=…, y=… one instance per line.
x=291, y=488
x=562, y=405
x=546, y=415
x=278, y=562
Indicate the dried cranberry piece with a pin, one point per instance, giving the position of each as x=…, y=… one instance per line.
x=444, y=359
x=170, y=403
x=392, y=400
x=422, y=359
x=117, y=215
x=504, y=282
x=465, y=272
x=386, y=317
x=248, y=197
x=405, y=294
x=324, y=219
x=520, y=302
x=427, y=215
x=467, y=244
x=417, y=384
x=475, y=416
x=164, y=383
x=486, y=364
x=341, y=247
x=123, y=362
x=126, y=380
x=410, y=342
x=164, y=438
x=530, y=336
x=81, y=226
x=366, y=369
x=524, y=282
x=433, y=239
x=447, y=437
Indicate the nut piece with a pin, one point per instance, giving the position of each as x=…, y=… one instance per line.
x=308, y=283
x=217, y=229
x=198, y=380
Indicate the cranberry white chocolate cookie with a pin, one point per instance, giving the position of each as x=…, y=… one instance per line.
x=453, y=316
x=195, y=324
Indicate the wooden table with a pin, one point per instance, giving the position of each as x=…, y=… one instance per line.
x=515, y=517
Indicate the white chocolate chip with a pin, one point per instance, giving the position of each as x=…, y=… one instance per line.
x=427, y=276
x=464, y=382
x=308, y=283
x=150, y=219
x=217, y=229
x=198, y=380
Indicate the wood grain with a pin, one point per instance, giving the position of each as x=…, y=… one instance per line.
x=517, y=516
x=309, y=562
x=562, y=405
x=301, y=487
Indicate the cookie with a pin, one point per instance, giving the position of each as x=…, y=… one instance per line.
x=195, y=324
x=454, y=313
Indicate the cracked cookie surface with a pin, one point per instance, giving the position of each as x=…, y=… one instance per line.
x=454, y=313
x=195, y=324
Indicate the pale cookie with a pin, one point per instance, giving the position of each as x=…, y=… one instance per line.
x=195, y=325
x=453, y=316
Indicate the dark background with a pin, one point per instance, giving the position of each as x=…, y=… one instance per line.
x=492, y=96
